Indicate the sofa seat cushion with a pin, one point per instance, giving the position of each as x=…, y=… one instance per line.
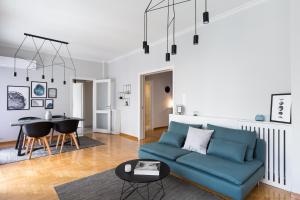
x=233, y=172
x=164, y=150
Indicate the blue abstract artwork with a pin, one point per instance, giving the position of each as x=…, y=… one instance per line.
x=38, y=89
x=49, y=104
x=17, y=98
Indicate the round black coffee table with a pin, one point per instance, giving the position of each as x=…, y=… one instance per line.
x=140, y=181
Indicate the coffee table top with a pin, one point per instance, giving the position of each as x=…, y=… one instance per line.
x=130, y=177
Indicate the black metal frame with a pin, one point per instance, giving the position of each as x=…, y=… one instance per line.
x=28, y=97
x=38, y=100
x=46, y=104
x=282, y=94
x=134, y=187
x=55, y=93
x=46, y=90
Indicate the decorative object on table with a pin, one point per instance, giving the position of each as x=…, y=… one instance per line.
x=167, y=89
x=180, y=109
x=49, y=103
x=260, y=118
x=169, y=6
x=127, y=168
x=37, y=103
x=38, y=89
x=281, y=107
x=147, y=168
x=52, y=93
x=48, y=115
x=18, y=97
x=63, y=46
x=125, y=94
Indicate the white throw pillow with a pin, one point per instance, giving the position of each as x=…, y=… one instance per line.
x=197, y=140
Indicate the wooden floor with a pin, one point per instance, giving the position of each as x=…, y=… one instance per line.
x=35, y=179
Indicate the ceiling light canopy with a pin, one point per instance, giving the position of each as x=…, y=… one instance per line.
x=171, y=22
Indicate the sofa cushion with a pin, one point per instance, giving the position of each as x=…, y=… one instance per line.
x=236, y=135
x=172, y=139
x=164, y=150
x=227, y=149
x=233, y=172
x=181, y=128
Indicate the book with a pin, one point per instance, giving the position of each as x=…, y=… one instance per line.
x=150, y=168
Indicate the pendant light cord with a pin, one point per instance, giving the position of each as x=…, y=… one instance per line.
x=168, y=18
x=195, y=17
x=205, y=5
x=173, y=22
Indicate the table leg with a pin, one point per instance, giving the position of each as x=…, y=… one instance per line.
x=18, y=139
x=20, y=143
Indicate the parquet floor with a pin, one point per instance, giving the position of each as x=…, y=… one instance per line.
x=36, y=178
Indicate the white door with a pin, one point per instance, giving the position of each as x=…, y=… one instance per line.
x=102, y=106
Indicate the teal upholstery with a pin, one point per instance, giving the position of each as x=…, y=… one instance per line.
x=181, y=128
x=172, y=139
x=235, y=135
x=227, y=149
x=226, y=188
x=233, y=172
x=163, y=150
x=260, y=150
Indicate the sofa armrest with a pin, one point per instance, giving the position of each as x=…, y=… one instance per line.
x=260, y=150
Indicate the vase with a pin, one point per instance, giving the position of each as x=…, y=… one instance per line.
x=48, y=115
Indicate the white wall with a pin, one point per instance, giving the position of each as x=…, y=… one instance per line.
x=61, y=104
x=295, y=58
x=160, y=99
x=240, y=61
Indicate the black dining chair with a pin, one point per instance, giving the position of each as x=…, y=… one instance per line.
x=52, y=133
x=24, y=138
x=36, y=131
x=66, y=128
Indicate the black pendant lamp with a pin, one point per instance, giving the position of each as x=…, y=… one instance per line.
x=196, y=36
x=145, y=43
x=206, y=14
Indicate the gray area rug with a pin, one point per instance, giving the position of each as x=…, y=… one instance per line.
x=107, y=186
x=9, y=155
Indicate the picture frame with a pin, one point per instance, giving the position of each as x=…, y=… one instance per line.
x=281, y=108
x=38, y=89
x=52, y=93
x=49, y=104
x=37, y=103
x=18, y=97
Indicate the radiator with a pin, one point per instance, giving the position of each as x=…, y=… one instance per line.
x=275, y=135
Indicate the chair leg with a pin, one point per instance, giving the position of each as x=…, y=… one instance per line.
x=47, y=145
x=44, y=146
x=31, y=148
x=75, y=140
x=27, y=145
x=62, y=143
x=57, y=142
x=24, y=141
x=40, y=142
x=51, y=136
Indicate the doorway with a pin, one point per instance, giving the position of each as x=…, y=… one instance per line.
x=82, y=106
x=158, y=103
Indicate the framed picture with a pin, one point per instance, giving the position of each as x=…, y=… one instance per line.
x=281, y=107
x=49, y=104
x=37, y=103
x=38, y=89
x=52, y=93
x=18, y=97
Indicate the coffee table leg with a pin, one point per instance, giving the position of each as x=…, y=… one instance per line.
x=122, y=190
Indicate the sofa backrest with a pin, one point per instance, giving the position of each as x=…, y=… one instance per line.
x=260, y=150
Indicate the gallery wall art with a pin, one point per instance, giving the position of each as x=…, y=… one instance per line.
x=37, y=102
x=49, y=104
x=52, y=93
x=281, y=107
x=38, y=89
x=18, y=97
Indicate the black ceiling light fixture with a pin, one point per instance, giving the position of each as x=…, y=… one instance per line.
x=206, y=14
x=162, y=4
x=40, y=63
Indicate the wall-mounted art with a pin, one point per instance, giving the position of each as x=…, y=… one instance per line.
x=18, y=97
x=38, y=89
x=52, y=93
x=49, y=104
x=281, y=107
x=37, y=103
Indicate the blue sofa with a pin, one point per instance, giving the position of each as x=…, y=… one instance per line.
x=229, y=178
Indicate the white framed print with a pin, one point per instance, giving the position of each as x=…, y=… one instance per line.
x=38, y=89
x=281, y=108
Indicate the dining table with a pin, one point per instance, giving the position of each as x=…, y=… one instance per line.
x=21, y=123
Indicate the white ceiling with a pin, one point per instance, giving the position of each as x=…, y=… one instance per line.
x=97, y=30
